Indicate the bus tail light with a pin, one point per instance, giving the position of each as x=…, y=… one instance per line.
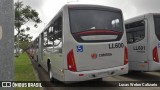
x=125, y=56
x=71, y=61
x=155, y=54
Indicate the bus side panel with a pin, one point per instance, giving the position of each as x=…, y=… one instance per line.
x=56, y=59
x=56, y=56
x=153, y=42
x=138, y=52
x=66, y=32
x=57, y=65
x=66, y=28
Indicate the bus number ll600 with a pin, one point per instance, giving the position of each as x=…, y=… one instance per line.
x=116, y=45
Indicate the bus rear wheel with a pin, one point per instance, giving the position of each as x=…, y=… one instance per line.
x=50, y=72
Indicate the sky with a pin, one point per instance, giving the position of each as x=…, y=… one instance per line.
x=48, y=8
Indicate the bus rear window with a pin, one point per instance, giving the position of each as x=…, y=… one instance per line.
x=96, y=25
x=135, y=31
x=157, y=25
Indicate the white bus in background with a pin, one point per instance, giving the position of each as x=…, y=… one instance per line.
x=36, y=48
x=143, y=37
x=84, y=42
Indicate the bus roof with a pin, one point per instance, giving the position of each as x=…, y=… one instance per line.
x=140, y=17
x=89, y=6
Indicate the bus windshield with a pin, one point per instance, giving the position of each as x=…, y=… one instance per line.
x=157, y=25
x=105, y=25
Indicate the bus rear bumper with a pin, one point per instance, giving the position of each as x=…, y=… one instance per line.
x=94, y=74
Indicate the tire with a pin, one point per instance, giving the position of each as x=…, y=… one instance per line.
x=50, y=73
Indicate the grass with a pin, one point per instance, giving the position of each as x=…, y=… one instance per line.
x=23, y=71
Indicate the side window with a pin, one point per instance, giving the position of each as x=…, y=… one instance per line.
x=57, y=35
x=45, y=42
x=53, y=35
x=139, y=35
x=50, y=36
x=37, y=43
x=135, y=31
x=129, y=37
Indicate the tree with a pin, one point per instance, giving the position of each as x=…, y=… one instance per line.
x=24, y=15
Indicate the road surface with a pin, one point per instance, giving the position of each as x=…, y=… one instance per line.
x=132, y=76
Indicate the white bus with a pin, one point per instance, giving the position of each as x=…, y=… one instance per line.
x=143, y=35
x=36, y=48
x=84, y=42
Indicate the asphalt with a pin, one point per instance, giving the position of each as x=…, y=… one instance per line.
x=106, y=84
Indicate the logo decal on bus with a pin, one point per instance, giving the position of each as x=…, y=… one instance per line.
x=80, y=48
x=94, y=56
